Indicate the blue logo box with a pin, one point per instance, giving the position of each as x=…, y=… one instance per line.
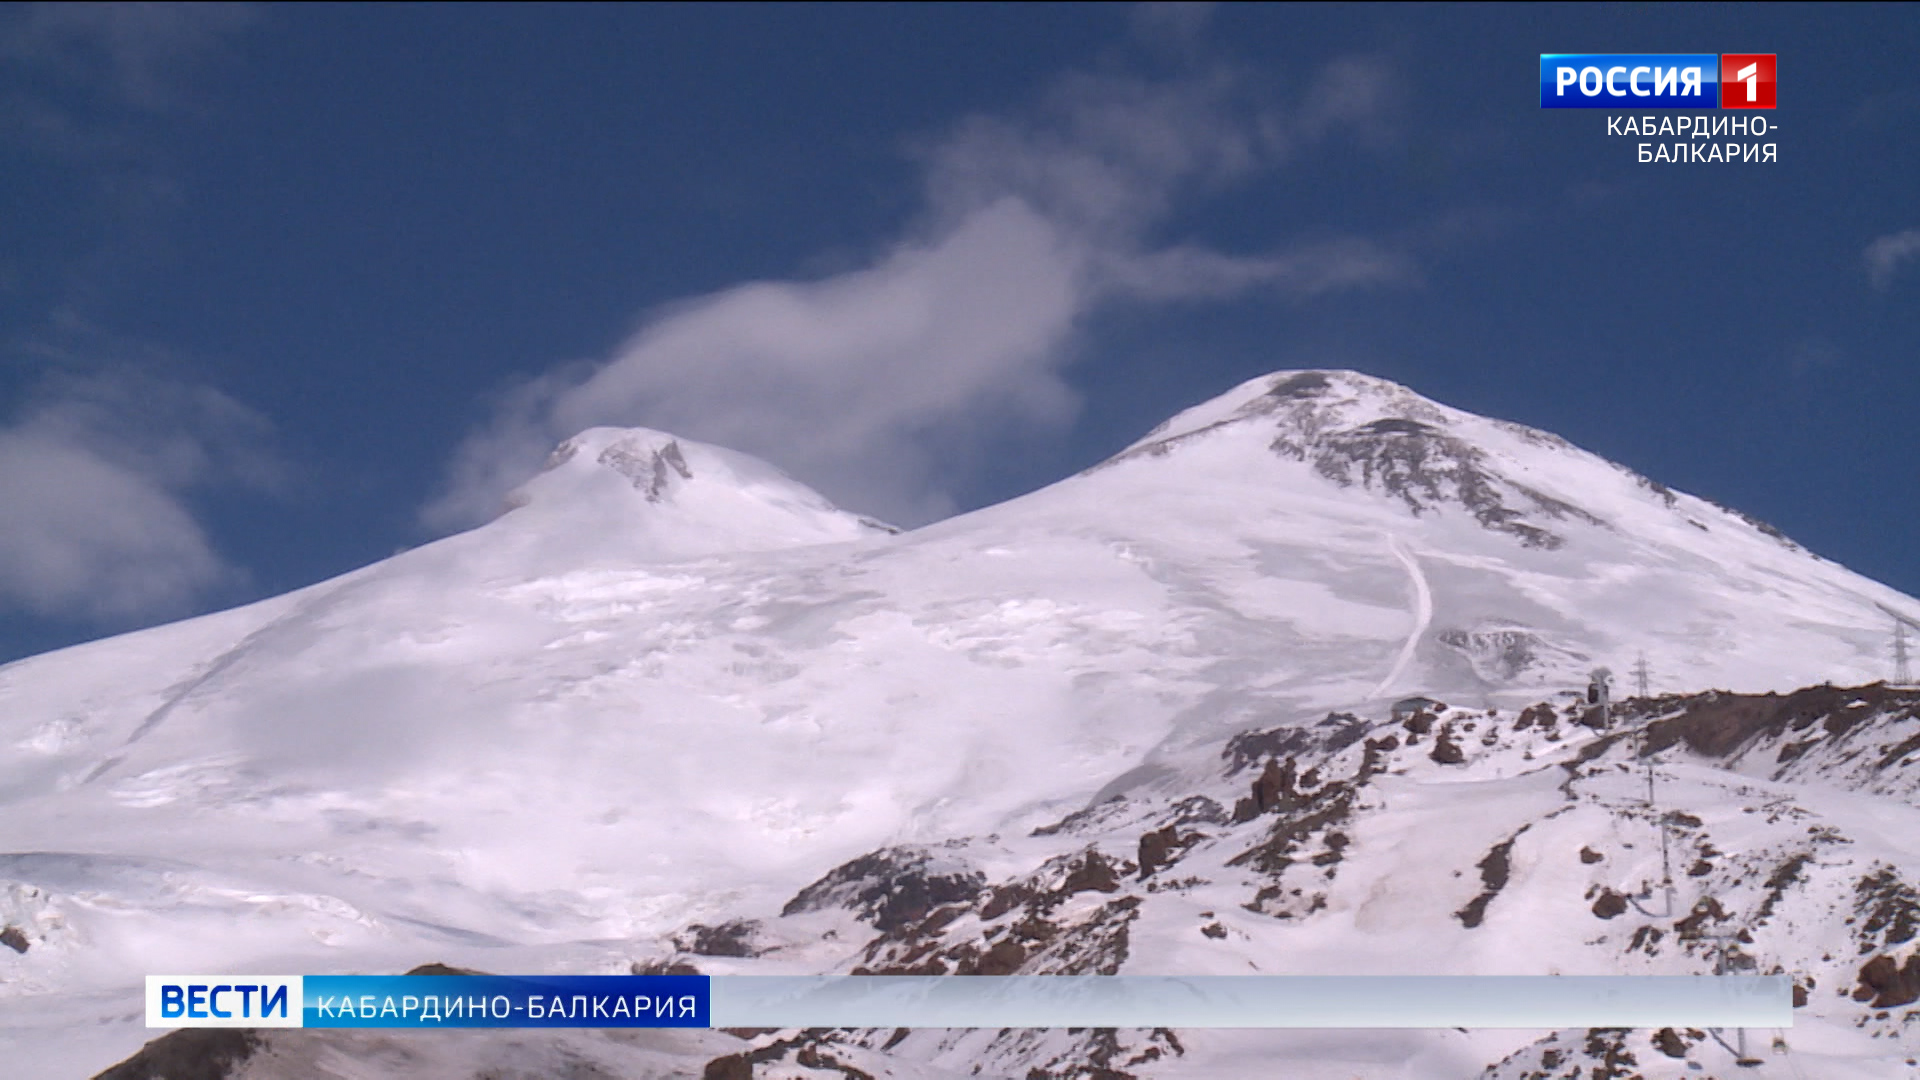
x=1626, y=81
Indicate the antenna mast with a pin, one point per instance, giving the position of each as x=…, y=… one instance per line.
x=1640, y=674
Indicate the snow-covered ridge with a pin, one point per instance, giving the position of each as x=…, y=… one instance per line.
x=677, y=498
x=1355, y=429
x=1449, y=839
x=673, y=687
x=1444, y=840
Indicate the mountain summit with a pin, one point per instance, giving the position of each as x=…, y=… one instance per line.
x=1522, y=560
x=673, y=688
x=672, y=498
x=1354, y=429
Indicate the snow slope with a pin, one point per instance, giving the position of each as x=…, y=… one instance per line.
x=1456, y=840
x=671, y=686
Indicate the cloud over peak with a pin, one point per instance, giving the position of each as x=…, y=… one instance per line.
x=879, y=385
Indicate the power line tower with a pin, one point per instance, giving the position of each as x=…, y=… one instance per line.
x=1902, y=668
x=1640, y=675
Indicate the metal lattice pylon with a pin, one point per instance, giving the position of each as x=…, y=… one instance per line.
x=1902, y=656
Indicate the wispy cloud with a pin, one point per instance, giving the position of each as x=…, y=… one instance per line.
x=878, y=385
x=95, y=472
x=93, y=90
x=1176, y=23
x=1884, y=256
x=133, y=55
x=1887, y=108
x=101, y=460
x=1812, y=355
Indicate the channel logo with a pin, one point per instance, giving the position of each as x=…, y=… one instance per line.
x=1746, y=80
x=223, y=1001
x=1656, y=80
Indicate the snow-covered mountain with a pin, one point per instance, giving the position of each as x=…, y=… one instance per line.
x=673, y=707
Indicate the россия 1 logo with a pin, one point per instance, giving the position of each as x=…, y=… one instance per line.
x=1656, y=80
x=1746, y=80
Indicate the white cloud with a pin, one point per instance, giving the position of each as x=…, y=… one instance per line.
x=882, y=385
x=1107, y=156
x=93, y=476
x=840, y=380
x=85, y=538
x=1885, y=255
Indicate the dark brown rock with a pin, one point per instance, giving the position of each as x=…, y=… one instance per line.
x=893, y=888
x=1156, y=849
x=731, y=1067
x=731, y=939
x=1717, y=724
x=1541, y=715
x=188, y=1054
x=1003, y=958
x=1249, y=747
x=1276, y=787
x=663, y=967
x=1783, y=878
x=1005, y=898
x=1092, y=874
x=1610, y=905
x=812, y=1057
x=1704, y=910
x=1612, y=1060
x=437, y=968
x=1889, y=907
x=1647, y=939
x=1494, y=871
x=1886, y=984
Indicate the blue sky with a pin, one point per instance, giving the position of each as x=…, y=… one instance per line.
x=283, y=290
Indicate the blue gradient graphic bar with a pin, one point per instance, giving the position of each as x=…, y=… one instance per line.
x=538, y=1001
x=1238, y=1001
x=952, y=1001
x=1627, y=81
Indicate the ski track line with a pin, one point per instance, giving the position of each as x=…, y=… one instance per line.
x=181, y=691
x=1422, y=614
